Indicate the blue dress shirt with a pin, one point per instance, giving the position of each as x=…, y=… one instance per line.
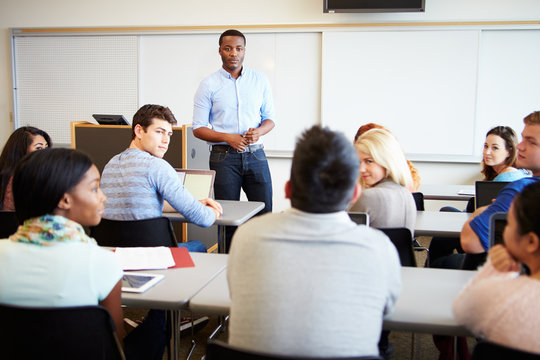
x=228, y=105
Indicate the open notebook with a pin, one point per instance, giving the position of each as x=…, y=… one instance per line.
x=198, y=182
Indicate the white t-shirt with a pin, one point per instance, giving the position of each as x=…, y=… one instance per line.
x=65, y=274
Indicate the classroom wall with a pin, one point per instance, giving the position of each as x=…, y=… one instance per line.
x=67, y=13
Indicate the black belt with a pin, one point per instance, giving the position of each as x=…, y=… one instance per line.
x=227, y=148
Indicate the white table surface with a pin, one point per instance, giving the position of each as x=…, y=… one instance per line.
x=235, y=213
x=425, y=304
x=179, y=285
x=446, y=192
x=439, y=223
x=214, y=298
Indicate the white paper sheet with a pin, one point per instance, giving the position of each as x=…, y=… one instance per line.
x=144, y=258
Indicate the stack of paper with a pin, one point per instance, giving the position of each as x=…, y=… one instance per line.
x=144, y=258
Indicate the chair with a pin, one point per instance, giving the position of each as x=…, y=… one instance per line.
x=85, y=332
x=487, y=350
x=218, y=350
x=402, y=240
x=8, y=223
x=473, y=261
x=134, y=233
x=419, y=200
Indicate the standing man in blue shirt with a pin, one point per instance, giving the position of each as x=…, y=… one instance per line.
x=233, y=110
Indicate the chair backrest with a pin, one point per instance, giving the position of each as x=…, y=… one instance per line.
x=218, y=350
x=8, y=223
x=132, y=233
x=419, y=200
x=85, y=332
x=473, y=261
x=402, y=240
x=490, y=351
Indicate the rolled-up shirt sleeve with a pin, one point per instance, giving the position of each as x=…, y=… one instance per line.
x=202, y=107
x=267, y=107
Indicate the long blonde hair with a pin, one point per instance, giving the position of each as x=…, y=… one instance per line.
x=385, y=150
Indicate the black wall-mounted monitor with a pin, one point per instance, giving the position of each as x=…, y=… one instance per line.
x=110, y=119
x=359, y=6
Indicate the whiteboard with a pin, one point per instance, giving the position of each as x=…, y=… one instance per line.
x=420, y=84
x=172, y=66
x=62, y=79
x=509, y=80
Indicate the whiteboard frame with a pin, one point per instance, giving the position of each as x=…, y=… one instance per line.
x=272, y=28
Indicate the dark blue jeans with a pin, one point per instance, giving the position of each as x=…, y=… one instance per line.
x=247, y=171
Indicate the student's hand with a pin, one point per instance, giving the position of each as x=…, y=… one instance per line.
x=237, y=142
x=252, y=135
x=502, y=260
x=214, y=205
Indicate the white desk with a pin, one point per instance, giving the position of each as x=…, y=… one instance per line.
x=446, y=192
x=235, y=213
x=439, y=223
x=176, y=289
x=425, y=304
x=179, y=285
x=214, y=298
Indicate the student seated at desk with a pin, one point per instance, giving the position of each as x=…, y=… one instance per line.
x=308, y=281
x=138, y=180
x=500, y=155
x=499, y=305
x=22, y=141
x=386, y=176
x=50, y=261
x=416, y=180
x=474, y=235
x=498, y=164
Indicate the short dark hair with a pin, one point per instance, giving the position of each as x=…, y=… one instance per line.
x=147, y=113
x=14, y=150
x=510, y=142
x=42, y=177
x=231, y=32
x=324, y=171
x=527, y=209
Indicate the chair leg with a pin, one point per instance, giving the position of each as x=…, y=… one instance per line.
x=221, y=326
x=412, y=346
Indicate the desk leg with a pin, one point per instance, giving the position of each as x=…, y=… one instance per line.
x=173, y=319
x=222, y=239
